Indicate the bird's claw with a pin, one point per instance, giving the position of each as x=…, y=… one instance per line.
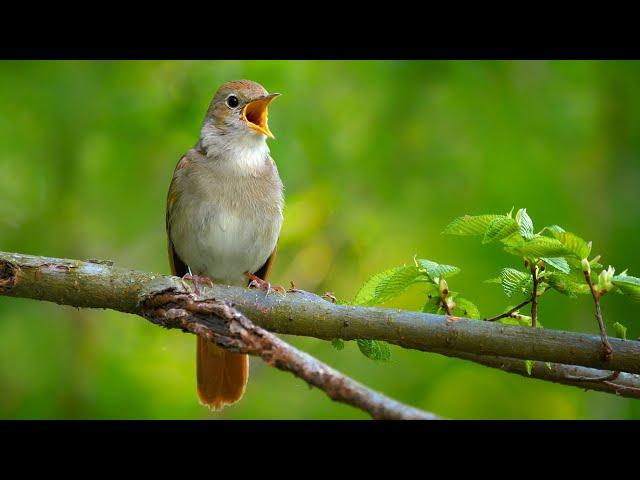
x=257, y=282
x=197, y=279
x=330, y=297
x=293, y=287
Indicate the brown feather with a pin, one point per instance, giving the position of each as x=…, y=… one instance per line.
x=264, y=271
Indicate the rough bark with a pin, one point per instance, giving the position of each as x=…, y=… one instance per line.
x=102, y=285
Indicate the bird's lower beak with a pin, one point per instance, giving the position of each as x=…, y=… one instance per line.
x=255, y=114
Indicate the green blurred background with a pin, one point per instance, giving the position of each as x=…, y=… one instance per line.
x=376, y=156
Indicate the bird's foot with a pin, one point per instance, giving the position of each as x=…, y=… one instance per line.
x=257, y=282
x=330, y=297
x=293, y=287
x=197, y=281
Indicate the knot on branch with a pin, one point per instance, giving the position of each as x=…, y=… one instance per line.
x=218, y=321
x=8, y=274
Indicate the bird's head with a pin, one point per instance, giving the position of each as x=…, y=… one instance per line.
x=238, y=115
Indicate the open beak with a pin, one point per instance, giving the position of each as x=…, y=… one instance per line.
x=255, y=114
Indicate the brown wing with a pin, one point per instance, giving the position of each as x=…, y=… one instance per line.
x=178, y=267
x=264, y=270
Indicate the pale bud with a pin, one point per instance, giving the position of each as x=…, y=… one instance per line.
x=586, y=266
x=444, y=288
x=605, y=279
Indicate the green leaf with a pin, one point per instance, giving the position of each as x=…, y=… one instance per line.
x=470, y=225
x=573, y=244
x=552, y=228
x=500, y=228
x=628, y=285
x=621, y=330
x=576, y=265
x=520, y=320
x=337, y=343
x=559, y=263
x=437, y=270
x=494, y=280
x=432, y=305
x=515, y=281
x=465, y=308
x=565, y=285
x=529, y=366
x=525, y=224
x=386, y=285
x=539, y=247
x=375, y=349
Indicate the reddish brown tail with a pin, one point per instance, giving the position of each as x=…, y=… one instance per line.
x=222, y=375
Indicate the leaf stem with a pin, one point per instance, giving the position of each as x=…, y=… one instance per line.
x=445, y=305
x=534, y=295
x=605, y=351
x=509, y=313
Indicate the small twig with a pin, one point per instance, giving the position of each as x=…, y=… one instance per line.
x=604, y=378
x=625, y=384
x=605, y=351
x=534, y=296
x=510, y=312
x=624, y=389
x=445, y=306
x=444, y=295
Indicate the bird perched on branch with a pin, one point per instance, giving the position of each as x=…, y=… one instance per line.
x=224, y=213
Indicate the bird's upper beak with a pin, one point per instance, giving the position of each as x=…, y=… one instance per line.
x=255, y=114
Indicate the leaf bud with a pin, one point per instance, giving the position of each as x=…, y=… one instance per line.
x=605, y=279
x=444, y=288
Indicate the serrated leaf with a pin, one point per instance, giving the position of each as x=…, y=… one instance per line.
x=437, y=270
x=552, y=228
x=470, y=224
x=500, y=228
x=627, y=280
x=621, y=330
x=539, y=247
x=565, y=285
x=628, y=285
x=576, y=265
x=529, y=366
x=337, y=343
x=559, y=263
x=515, y=281
x=573, y=243
x=494, y=280
x=386, y=285
x=525, y=224
x=466, y=308
x=375, y=349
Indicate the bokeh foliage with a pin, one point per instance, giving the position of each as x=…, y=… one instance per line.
x=376, y=157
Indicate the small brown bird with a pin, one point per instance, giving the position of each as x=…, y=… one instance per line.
x=224, y=213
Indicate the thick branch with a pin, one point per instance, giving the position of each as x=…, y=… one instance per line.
x=100, y=285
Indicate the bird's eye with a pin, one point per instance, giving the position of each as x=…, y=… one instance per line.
x=232, y=101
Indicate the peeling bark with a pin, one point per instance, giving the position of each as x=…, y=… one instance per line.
x=102, y=285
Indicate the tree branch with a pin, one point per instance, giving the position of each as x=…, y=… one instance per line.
x=170, y=307
x=623, y=384
x=221, y=323
x=102, y=285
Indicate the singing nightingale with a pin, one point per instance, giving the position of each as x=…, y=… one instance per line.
x=224, y=213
